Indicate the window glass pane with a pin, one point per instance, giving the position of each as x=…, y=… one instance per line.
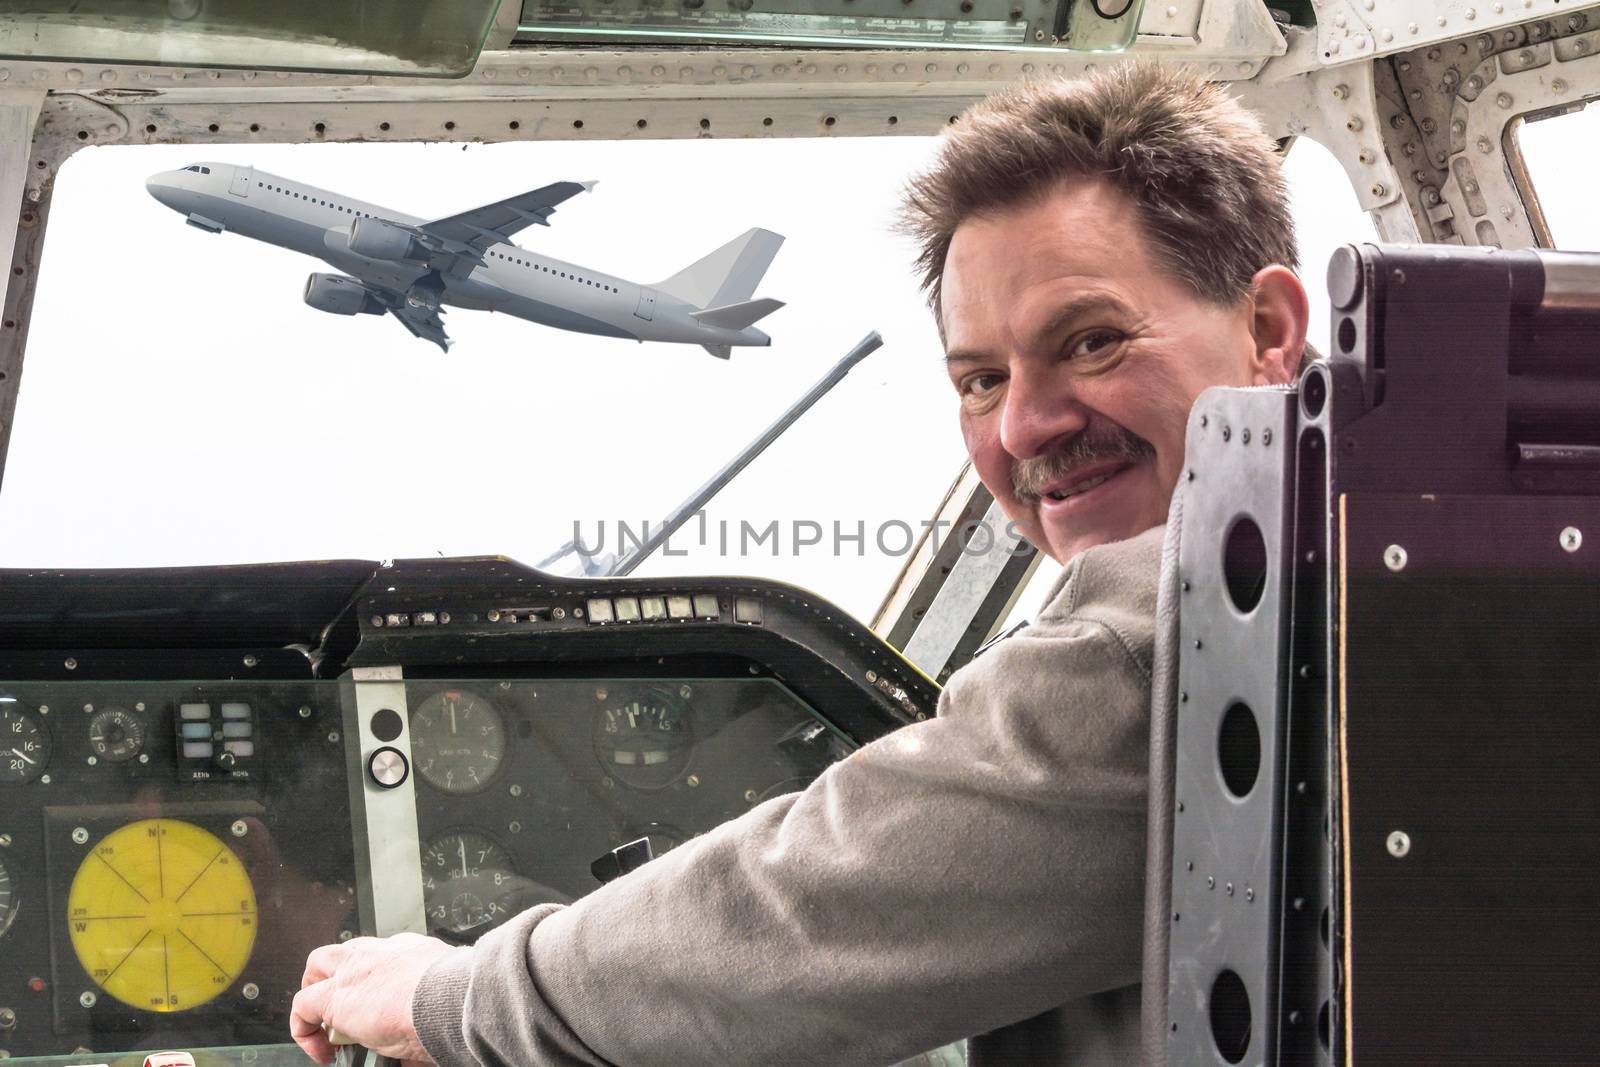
x=1561, y=154
x=521, y=430
x=1326, y=215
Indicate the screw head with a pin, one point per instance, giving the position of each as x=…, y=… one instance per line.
x=87, y=999
x=250, y=991
x=692, y=781
x=516, y=790
x=5, y=840
x=80, y=836
x=1399, y=844
x=1394, y=557
x=239, y=829
x=251, y=661
x=305, y=711
x=71, y=664
x=1572, y=539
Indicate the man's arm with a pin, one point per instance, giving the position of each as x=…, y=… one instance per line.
x=956, y=876
x=960, y=874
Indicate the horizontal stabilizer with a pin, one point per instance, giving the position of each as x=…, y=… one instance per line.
x=720, y=351
x=737, y=316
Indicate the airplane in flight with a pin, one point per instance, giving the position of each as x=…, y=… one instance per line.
x=412, y=268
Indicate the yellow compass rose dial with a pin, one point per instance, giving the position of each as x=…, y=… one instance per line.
x=162, y=915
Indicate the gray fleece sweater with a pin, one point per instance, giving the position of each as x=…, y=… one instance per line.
x=980, y=874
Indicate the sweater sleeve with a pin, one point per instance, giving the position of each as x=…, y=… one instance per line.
x=955, y=876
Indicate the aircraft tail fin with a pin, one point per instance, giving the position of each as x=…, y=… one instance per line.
x=727, y=276
x=720, y=351
x=737, y=316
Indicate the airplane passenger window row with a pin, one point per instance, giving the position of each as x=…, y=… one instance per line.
x=561, y=273
x=324, y=203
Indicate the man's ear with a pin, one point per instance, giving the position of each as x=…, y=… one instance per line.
x=1278, y=324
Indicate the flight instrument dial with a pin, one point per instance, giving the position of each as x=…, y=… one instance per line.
x=458, y=740
x=465, y=877
x=8, y=900
x=116, y=734
x=162, y=915
x=644, y=741
x=24, y=744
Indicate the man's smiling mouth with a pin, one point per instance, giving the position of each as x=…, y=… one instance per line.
x=1077, y=485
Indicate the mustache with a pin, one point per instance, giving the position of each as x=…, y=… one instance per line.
x=1098, y=444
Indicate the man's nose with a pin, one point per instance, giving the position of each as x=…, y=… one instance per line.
x=1037, y=415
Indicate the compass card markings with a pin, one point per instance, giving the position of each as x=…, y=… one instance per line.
x=220, y=850
x=118, y=873
x=107, y=979
x=220, y=969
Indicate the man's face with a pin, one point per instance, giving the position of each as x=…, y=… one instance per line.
x=1076, y=360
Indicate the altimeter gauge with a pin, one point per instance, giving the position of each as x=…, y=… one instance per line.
x=162, y=915
x=458, y=740
x=24, y=744
x=8, y=900
x=116, y=734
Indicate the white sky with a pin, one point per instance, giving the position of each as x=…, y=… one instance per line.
x=180, y=405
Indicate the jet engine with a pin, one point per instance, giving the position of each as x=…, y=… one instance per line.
x=384, y=240
x=338, y=295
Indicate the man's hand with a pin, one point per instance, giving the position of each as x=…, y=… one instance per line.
x=362, y=991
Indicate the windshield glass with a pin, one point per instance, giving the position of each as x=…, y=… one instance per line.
x=211, y=416
x=1557, y=152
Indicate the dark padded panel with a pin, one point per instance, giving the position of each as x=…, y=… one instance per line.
x=1470, y=691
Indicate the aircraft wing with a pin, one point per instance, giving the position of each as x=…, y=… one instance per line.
x=494, y=223
x=423, y=323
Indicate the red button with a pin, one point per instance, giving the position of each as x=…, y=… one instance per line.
x=36, y=984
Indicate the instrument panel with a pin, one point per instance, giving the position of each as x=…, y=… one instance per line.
x=432, y=746
x=165, y=868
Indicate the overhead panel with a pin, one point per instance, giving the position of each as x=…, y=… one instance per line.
x=1053, y=25
x=420, y=38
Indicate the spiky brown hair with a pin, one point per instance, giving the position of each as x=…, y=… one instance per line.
x=1202, y=172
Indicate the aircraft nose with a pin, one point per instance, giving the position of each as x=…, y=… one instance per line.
x=163, y=189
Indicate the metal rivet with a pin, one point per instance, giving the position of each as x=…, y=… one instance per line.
x=1266, y=437
x=1244, y=437
x=1249, y=894
x=1229, y=889
x=1399, y=844
x=250, y=661
x=1572, y=539
x=1227, y=433
x=71, y=664
x=1211, y=883
x=1394, y=557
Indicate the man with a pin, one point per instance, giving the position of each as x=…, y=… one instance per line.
x=1097, y=252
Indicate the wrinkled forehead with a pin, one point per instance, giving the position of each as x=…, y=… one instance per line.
x=1078, y=239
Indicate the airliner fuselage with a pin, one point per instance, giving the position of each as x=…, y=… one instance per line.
x=397, y=263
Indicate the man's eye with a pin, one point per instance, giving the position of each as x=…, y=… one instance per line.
x=979, y=384
x=1089, y=343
